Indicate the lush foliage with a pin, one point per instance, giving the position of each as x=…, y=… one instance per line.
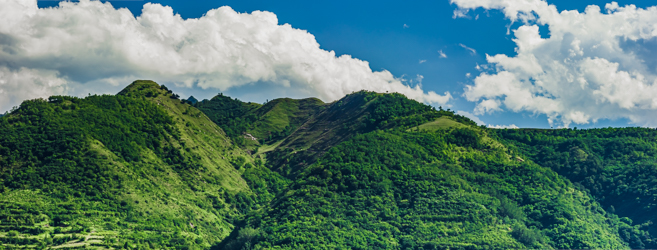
x=147, y=170
x=616, y=165
x=419, y=190
x=131, y=170
x=357, y=113
x=266, y=123
x=233, y=115
x=45, y=142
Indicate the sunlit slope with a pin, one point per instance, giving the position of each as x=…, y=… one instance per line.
x=139, y=169
x=442, y=189
x=279, y=117
x=440, y=123
x=252, y=125
x=357, y=113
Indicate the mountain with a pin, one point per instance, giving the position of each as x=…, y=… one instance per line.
x=295, y=133
x=144, y=169
x=451, y=188
x=191, y=100
x=138, y=169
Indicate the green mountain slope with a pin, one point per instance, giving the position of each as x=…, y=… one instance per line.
x=136, y=169
x=294, y=133
x=357, y=113
x=445, y=189
x=616, y=165
x=233, y=115
x=278, y=118
x=252, y=125
x=144, y=169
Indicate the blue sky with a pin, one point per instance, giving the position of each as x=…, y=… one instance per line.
x=403, y=38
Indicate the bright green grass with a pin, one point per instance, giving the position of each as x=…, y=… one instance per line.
x=268, y=148
x=276, y=119
x=440, y=123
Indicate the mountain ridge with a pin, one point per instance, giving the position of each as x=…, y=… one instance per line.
x=144, y=169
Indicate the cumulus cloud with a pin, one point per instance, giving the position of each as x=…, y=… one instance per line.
x=422, y=61
x=593, y=65
x=77, y=45
x=24, y=84
x=512, y=126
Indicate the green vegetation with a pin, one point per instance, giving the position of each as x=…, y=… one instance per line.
x=358, y=113
x=428, y=190
x=251, y=125
x=280, y=117
x=444, y=122
x=616, y=166
x=144, y=169
x=232, y=115
x=138, y=169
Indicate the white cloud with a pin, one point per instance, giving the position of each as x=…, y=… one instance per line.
x=422, y=61
x=24, y=84
x=472, y=51
x=90, y=43
x=442, y=54
x=472, y=117
x=406, y=26
x=592, y=66
x=460, y=13
x=512, y=126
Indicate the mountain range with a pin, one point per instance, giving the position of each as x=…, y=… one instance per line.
x=145, y=169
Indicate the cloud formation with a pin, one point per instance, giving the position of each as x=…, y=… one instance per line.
x=512, y=126
x=442, y=54
x=593, y=65
x=471, y=50
x=68, y=48
x=24, y=84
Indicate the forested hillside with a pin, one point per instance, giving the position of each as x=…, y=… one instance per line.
x=617, y=166
x=144, y=169
x=138, y=169
x=447, y=189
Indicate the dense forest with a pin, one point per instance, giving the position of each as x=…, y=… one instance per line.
x=145, y=169
x=133, y=170
x=617, y=166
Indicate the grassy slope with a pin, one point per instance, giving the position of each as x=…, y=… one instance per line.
x=154, y=202
x=357, y=113
x=283, y=114
x=440, y=123
x=268, y=123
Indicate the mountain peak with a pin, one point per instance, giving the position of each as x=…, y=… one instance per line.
x=142, y=86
